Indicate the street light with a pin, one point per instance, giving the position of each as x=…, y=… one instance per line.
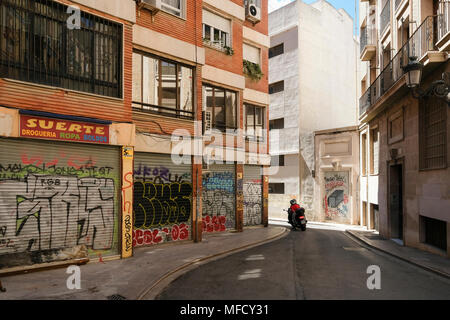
x=439, y=88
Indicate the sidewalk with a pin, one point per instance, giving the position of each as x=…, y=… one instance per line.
x=141, y=277
x=429, y=261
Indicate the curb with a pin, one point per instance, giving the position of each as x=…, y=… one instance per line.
x=427, y=268
x=179, y=271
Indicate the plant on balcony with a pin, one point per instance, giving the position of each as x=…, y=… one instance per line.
x=228, y=50
x=252, y=70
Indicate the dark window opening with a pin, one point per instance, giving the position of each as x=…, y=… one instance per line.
x=277, y=160
x=276, y=124
x=435, y=232
x=276, y=87
x=276, y=188
x=276, y=51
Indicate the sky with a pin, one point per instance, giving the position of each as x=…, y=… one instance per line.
x=347, y=5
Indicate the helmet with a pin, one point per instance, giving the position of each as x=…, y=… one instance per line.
x=293, y=201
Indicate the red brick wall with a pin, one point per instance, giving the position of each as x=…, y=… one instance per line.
x=189, y=29
x=263, y=84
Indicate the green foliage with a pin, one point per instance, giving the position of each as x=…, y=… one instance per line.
x=228, y=50
x=252, y=70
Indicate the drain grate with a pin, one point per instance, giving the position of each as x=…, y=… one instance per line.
x=116, y=297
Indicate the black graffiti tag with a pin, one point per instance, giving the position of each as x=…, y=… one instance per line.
x=158, y=205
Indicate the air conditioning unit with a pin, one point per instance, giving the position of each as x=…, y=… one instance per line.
x=207, y=121
x=253, y=13
x=152, y=5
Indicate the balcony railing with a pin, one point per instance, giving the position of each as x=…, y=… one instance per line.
x=385, y=17
x=422, y=41
x=368, y=36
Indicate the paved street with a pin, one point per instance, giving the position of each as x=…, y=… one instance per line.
x=316, y=264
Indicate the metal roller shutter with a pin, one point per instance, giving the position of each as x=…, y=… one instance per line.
x=219, y=198
x=253, y=206
x=162, y=199
x=57, y=201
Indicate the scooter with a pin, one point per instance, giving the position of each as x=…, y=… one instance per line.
x=298, y=219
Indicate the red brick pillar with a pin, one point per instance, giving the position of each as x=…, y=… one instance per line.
x=239, y=197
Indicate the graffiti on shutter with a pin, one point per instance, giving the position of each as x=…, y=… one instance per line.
x=54, y=207
x=252, y=196
x=162, y=200
x=218, y=199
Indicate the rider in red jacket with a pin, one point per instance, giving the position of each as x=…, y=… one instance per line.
x=294, y=207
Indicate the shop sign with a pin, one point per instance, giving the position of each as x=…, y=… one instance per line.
x=65, y=130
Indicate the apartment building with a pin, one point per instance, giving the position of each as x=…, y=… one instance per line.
x=313, y=142
x=404, y=131
x=118, y=125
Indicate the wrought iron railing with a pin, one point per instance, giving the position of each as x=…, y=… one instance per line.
x=368, y=36
x=422, y=41
x=40, y=43
x=164, y=111
x=385, y=17
x=443, y=19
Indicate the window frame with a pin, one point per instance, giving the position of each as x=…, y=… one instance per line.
x=424, y=106
x=273, y=85
x=211, y=42
x=167, y=8
x=212, y=108
x=159, y=108
x=255, y=137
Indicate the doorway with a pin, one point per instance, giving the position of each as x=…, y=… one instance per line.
x=396, y=201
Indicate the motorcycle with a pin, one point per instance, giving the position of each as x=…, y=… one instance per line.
x=298, y=219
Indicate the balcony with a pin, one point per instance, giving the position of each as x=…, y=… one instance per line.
x=368, y=43
x=443, y=20
x=385, y=17
x=421, y=44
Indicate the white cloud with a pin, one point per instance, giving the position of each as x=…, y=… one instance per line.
x=275, y=4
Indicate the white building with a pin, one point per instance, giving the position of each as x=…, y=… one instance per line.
x=313, y=87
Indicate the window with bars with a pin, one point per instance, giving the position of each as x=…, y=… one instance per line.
x=254, y=122
x=432, y=133
x=37, y=46
x=162, y=86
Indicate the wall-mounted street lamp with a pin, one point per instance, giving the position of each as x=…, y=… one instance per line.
x=439, y=88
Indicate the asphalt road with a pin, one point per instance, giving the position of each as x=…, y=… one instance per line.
x=312, y=265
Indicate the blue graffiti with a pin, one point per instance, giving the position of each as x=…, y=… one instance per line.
x=219, y=181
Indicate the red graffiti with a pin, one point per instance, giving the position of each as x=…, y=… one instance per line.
x=127, y=203
x=333, y=185
x=214, y=224
x=75, y=162
x=155, y=236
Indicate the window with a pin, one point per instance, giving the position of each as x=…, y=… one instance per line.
x=254, y=122
x=277, y=161
x=276, y=124
x=276, y=87
x=276, y=188
x=162, y=86
x=221, y=106
x=434, y=232
x=37, y=46
x=216, y=30
x=364, y=154
x=252, y=54
x=374, y=150
x=276, y=51
x=433, y=133
x=175, y=7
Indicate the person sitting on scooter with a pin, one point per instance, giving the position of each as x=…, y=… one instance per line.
x=294, y=207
